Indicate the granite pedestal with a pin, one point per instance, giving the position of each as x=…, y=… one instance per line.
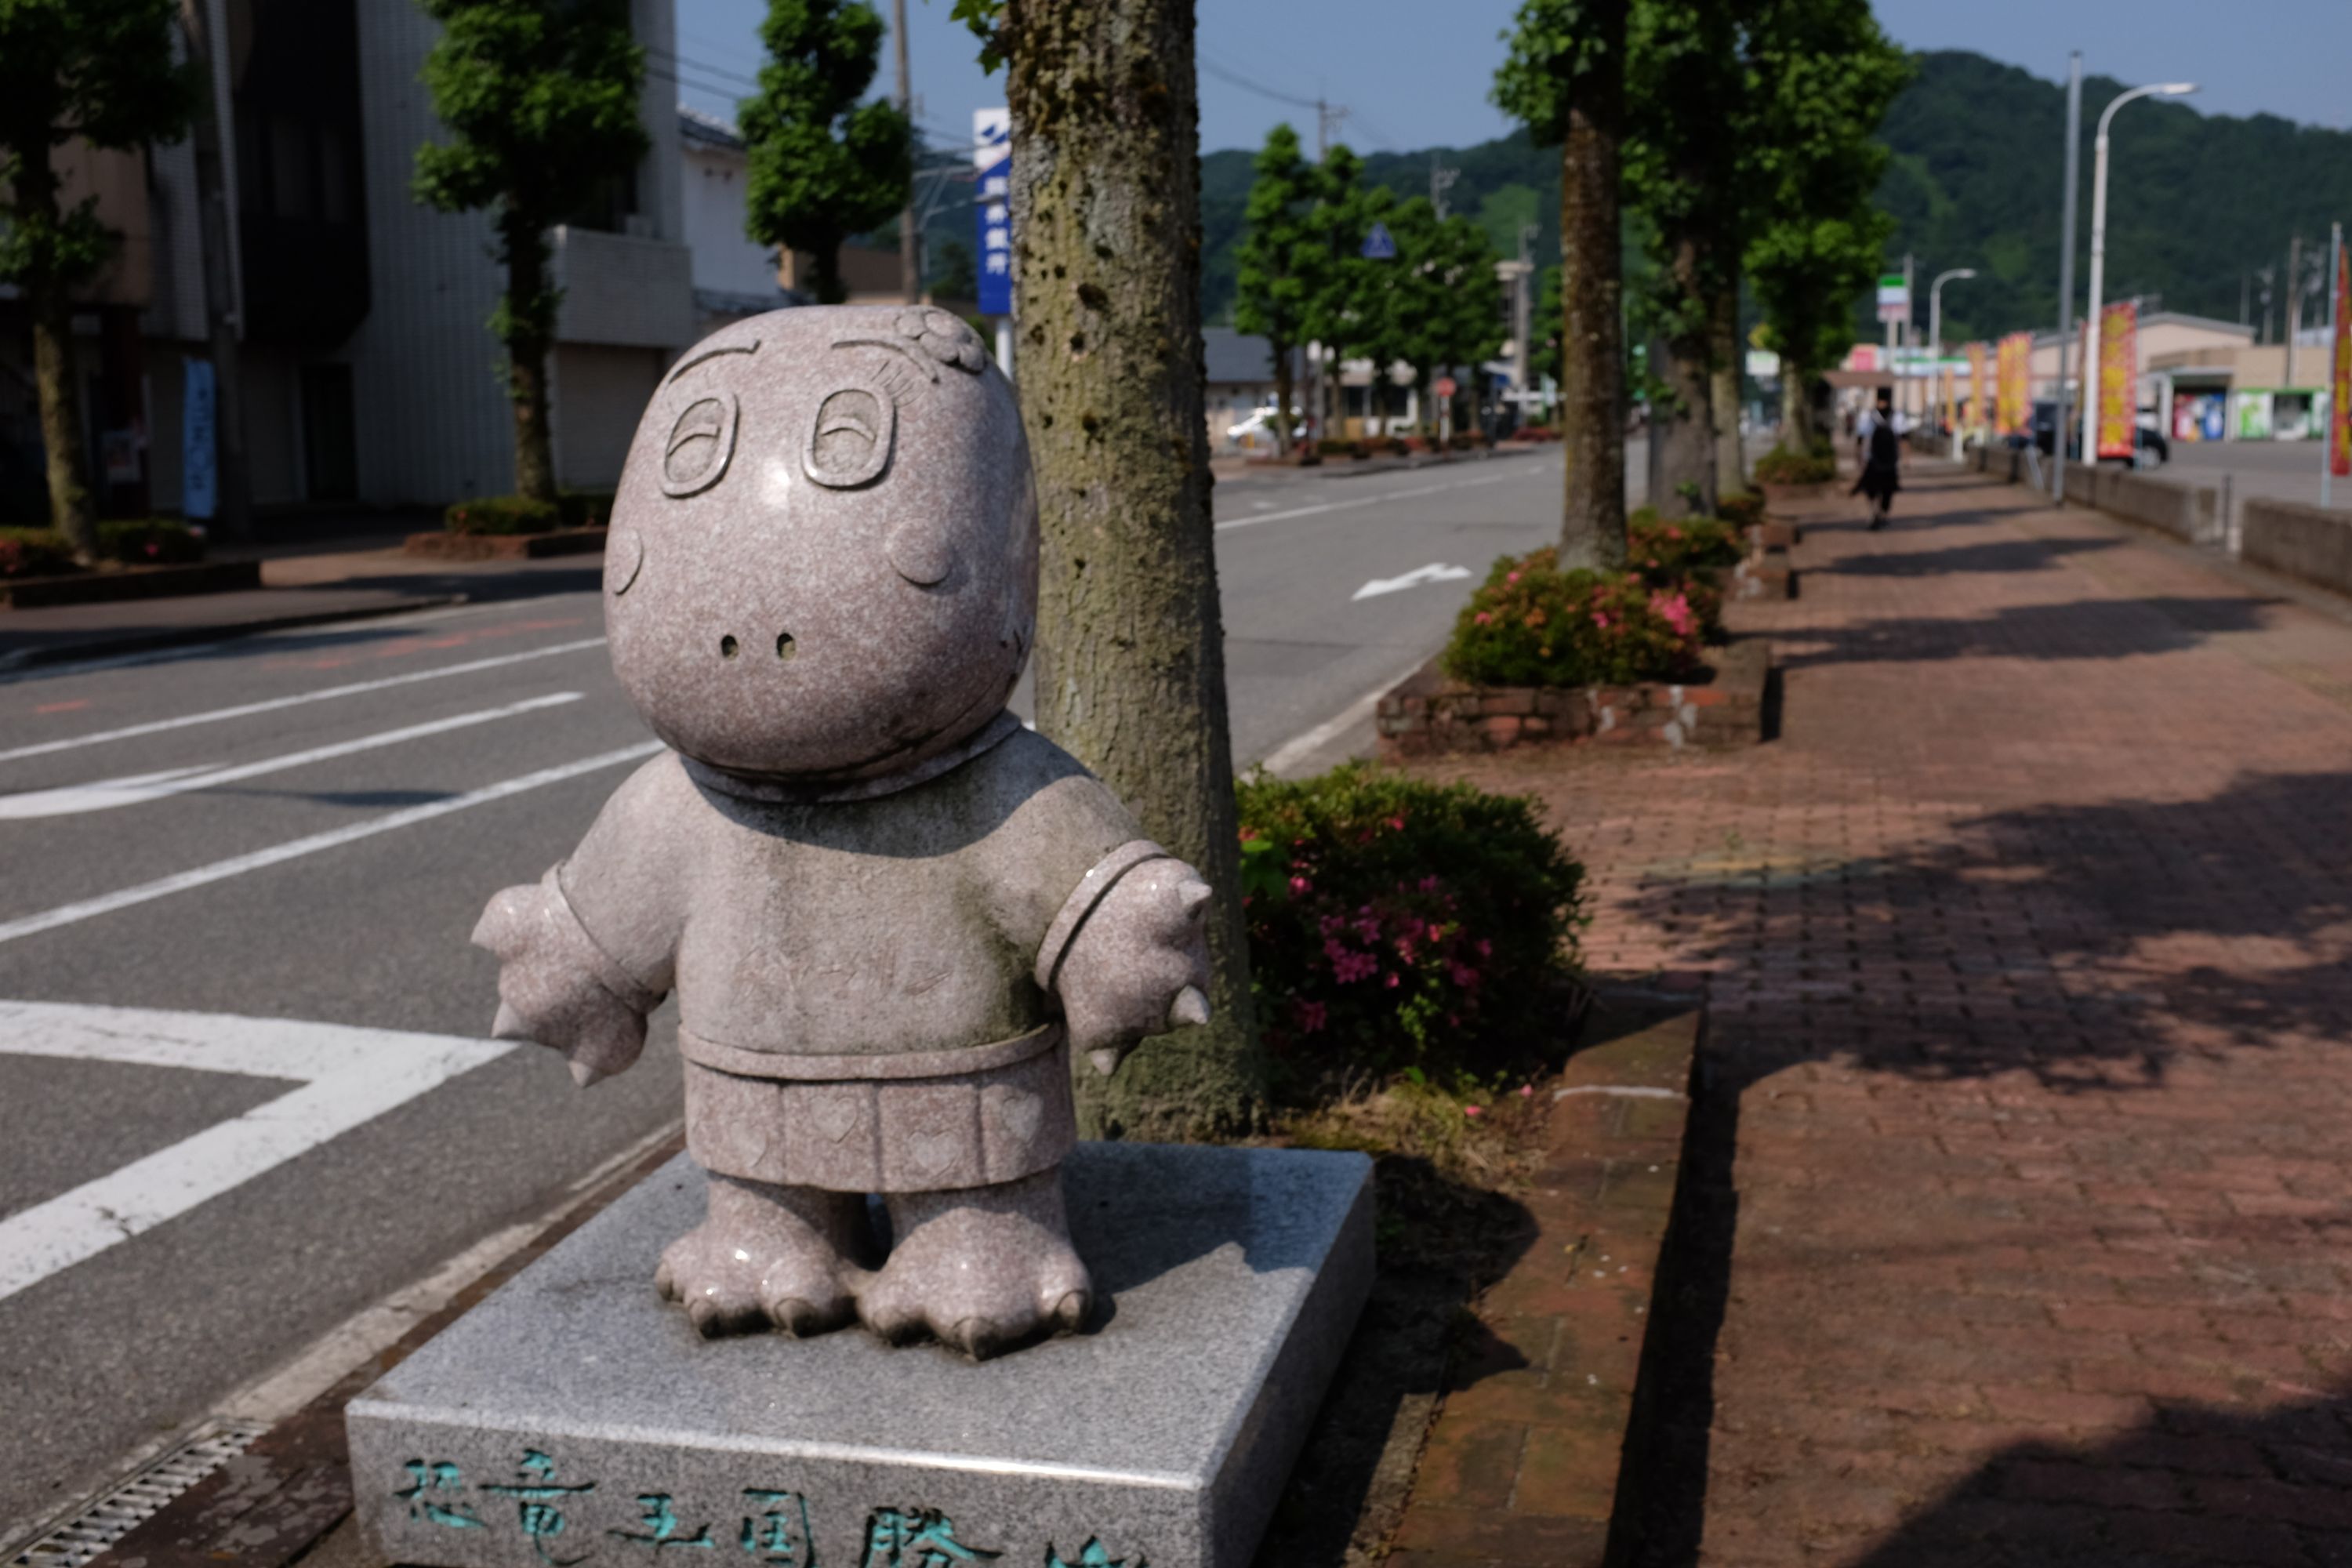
x=575, y=1417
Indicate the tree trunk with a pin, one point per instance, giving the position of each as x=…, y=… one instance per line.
x=1129, y=664
x=53, y=380
x=1592, y=346
x=1682, y=423
x=1796, y=406
x=530, y=322
x=1282, y=396
x=1730, y=467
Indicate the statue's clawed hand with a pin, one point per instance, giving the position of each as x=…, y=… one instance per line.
x=556, y=988
x=1139, y=964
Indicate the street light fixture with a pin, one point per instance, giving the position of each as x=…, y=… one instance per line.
x=2098, y=263
x=1936, y=334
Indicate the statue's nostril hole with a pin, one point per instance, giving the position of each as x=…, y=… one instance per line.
x=785, y=647
x=726, y=648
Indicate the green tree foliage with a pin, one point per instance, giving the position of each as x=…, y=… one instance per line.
x=101, y=71
x=1280, y=263
x=1449, y=304
x=541, y=97
x=1822, y=76
x=1565, y=79
x=825, y=165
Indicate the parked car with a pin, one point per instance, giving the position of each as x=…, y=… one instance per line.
x=2149, y=448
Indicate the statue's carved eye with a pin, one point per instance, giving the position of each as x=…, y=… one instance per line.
x=850, y=443
x=700, y=443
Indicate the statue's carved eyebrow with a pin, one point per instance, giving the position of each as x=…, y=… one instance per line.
x=707, y=355
x=904, y=348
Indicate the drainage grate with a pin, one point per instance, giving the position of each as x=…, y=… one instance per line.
x=139, y=1499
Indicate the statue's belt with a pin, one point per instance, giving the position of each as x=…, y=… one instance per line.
x=888, y=1065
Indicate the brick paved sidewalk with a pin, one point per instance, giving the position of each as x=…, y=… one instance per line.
x=2028, y=941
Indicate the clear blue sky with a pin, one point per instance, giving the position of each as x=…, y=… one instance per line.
x=1414, y=75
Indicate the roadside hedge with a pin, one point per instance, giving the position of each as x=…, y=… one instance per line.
x=503, y=515
x=1782, y=467
x=130, y=541
x=1399, y=925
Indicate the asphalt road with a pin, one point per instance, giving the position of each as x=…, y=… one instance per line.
x=304, y=826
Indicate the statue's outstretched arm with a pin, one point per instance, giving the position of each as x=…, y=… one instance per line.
x=1129, y=955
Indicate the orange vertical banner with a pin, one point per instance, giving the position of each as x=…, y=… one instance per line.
x=2339, y=401
x=2118, y=378
x=2015, y=368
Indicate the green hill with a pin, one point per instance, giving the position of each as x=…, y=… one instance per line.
x=2195, y=201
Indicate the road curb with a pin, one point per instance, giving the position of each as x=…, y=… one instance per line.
x=226, y=631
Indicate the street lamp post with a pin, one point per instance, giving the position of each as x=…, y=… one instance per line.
x=1936, y=335
x=2099, y=260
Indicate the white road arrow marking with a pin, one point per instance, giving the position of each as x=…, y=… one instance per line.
x=1431, y=573
x=107, y=794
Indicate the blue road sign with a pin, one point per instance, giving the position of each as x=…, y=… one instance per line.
x=1379, y=245
x=996, y=239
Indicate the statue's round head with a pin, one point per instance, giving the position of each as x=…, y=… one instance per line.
x=822, y=567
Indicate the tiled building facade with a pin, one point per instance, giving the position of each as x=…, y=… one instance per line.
x=368, y=370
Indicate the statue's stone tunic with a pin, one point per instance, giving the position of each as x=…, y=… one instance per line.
x=859, y=1003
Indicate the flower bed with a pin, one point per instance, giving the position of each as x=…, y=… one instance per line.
x=505, y=546
x=1431, y=713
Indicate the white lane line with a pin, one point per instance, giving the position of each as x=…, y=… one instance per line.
x=236, y=866
x=1361, y=501
x=354, y=689
x=1300, y=747
x=348, y=1077
x=105, y=794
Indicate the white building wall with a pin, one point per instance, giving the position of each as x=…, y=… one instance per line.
x=725, y=260
x=434, y=420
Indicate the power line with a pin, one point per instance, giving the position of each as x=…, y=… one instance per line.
x=1225, y=73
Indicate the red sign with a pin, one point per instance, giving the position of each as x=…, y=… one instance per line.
x=2339, y=409
x=1446, y=387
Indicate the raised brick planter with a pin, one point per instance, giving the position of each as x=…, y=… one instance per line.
x=1431, y=714
x=1776, y=496
x=1774, y=533
x=131, y=582
x=442, y=546
x=1522, y=1465
x=1765, y=574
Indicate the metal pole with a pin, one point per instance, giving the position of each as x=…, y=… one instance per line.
x=2293, y=307
x=910, y=267
x=232, y=500
x=2066, y=274
x=2334, y=315
x=2090, y=377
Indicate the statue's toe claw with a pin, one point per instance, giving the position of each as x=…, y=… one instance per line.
x=1070, y=1314
x=978, y=1338
x=703, y=1313
x=666, y=1280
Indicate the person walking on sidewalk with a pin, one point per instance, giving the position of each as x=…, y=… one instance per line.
x=1881, y=462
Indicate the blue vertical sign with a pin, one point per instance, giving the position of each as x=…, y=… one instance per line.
x=199, y=477
x=991, y=159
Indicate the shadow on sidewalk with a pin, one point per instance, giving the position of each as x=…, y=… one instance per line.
x=2194, y=1483
x=2086, y=628
x=1995, y=555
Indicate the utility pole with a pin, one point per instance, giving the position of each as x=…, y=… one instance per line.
x=2245, y=299
x=1440, y=179
x=1327, y=117
x=2065, y=277
x=2294, y=305
x=1902, y=393
x=910, y=263
x=232, y=506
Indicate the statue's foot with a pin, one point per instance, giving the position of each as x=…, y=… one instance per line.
x=981, y=1268
x=766, y=1255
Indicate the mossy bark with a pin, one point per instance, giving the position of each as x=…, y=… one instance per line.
x=1681, y=421
x=1592, y=304
x=70, y=513
x=1731, y=465
x=1129, y=661
x=530, y=337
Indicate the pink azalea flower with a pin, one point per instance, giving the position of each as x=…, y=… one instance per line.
x=1481, y=618
x=1300, y=885
x=1429, y=884
x=1673, y=533
x=1474, y=1110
